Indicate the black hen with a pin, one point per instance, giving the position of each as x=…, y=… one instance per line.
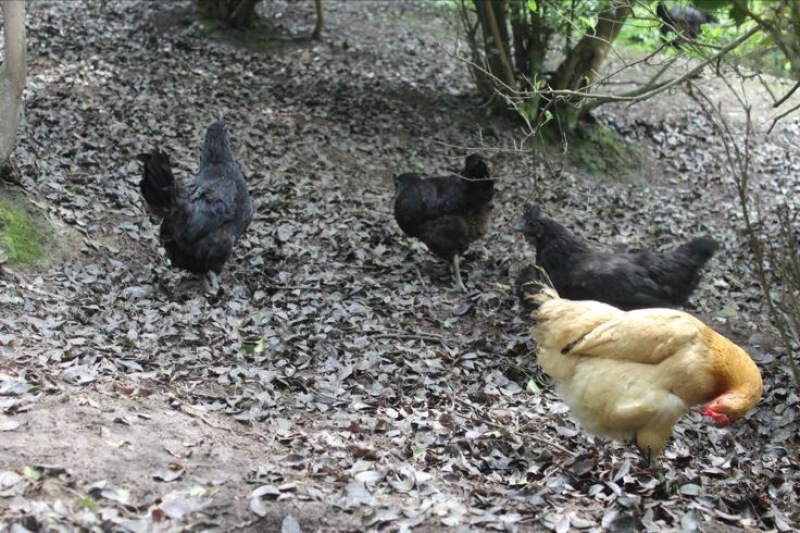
x=633, y=280
x=201, y=220
x=446, y=213
x=685, y=21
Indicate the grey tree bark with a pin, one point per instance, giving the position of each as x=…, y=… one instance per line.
x=12, y=75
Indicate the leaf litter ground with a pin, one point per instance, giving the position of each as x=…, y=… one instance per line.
x=340, y=383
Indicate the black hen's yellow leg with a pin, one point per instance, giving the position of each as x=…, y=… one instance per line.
x=211, y=282
x=457, y=272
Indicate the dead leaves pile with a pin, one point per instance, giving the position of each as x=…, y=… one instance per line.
x=371, y=389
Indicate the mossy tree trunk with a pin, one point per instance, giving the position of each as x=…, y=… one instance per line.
x=503, y=59
x=531, y=37
x=492, y=16
x=579, y=69
x=234, y=13
x=792, y=38
x=510, y=40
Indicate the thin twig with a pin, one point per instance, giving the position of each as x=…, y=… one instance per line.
x=739, y=158
x=298, y=287
x=414, y=336
x=421, y=277
x=247, y=524
x=192, y=411
x=787, y=95
x=782, y=116
x=483, y=420
x=645, y=92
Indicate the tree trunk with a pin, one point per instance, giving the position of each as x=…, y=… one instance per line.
x=495, y=46
x=233, y=13
x=242, y=16
x=579, y=70
x=531, y=39
x=793, y=37
x=12, y=75
x=320, y=21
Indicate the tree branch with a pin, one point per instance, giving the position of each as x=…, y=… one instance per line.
x=787, y=95
x=648, y=92
x=498, y=42
x=781, y=116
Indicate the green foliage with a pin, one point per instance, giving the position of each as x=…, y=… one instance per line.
x=533, y=34
x=711, y=5
x=566, y=16
x=738, y=15
x=447, y=4
x=641, y=34
x=32, y=473
x=22, y=242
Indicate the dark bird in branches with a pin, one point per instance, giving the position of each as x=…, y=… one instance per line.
x=685, y=21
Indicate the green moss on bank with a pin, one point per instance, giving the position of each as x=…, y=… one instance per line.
x=603, y=153
x=20, y=239
x=256, y=37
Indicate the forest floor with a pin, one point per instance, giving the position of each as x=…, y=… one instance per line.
x=340, y=383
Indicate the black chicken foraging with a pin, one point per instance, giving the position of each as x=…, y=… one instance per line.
x=202, y=220
x=447, y=213
x=628, y=280
x=685, y=21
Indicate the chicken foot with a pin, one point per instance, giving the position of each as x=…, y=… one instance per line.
x=211, y=282
x=457, y=272
x=647, y=456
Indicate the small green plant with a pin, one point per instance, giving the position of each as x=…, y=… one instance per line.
x=87, y=503
x=253, y=347
x=419, y=165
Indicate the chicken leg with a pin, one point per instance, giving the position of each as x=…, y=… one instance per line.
x=211, y=282
x=457, y=272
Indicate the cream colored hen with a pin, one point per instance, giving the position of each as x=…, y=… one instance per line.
x=632, y=375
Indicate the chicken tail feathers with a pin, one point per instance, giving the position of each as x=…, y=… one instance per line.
x=158, y=182
x=700, y=250
x=534, y=288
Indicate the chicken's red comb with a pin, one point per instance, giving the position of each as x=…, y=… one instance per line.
x=720, y=420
